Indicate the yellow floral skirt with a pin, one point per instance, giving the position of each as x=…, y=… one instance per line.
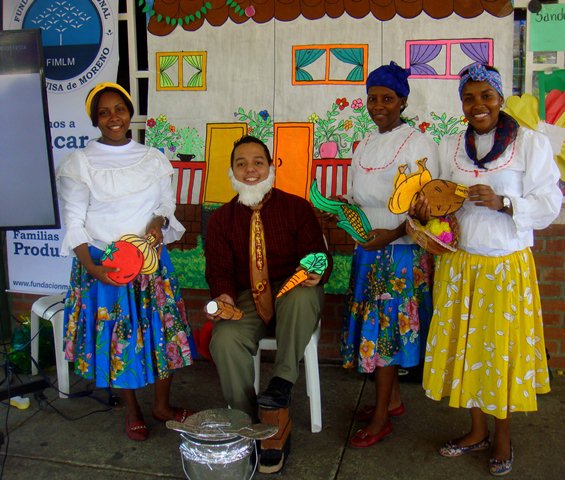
x=485, y=347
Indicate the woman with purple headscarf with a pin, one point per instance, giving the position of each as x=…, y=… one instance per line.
x=389, y=300
x=485, y=347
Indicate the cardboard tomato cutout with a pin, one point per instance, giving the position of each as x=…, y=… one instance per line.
x=126, y=257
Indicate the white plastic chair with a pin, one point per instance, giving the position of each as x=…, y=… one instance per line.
x=312, y=375
x=51, y=308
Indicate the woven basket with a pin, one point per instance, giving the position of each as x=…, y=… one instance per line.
x=429, y=242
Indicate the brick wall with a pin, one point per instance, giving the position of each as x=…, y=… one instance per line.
x=549, y=252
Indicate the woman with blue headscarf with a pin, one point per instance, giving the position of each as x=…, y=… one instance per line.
x=389, y=300
x=485, y=347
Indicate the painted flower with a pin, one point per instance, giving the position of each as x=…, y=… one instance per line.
x=82, y=366
x=415, y=324
x=139, y=340
x=348, y=124
x=173, y=355
x=357, y=104
x=172, y=148
x=366, y=348
x=168, y=320
x=463, y=120
x=412, y=308
x=249, y=129
x=160, y=295
x=418, y=277
x=341, y=103
x=172, y=128
x=264, y=114
x=423, y=126
x=117, y=366
x=425, y=265
x=151, y=123
x=384, y=296
x=403, y=323
x=384, y=321
x=398, y=284
x=70, y=351
x=368, y=364
x=103, y=314
x=167, y=287
x=314, y=118
x=162, y=118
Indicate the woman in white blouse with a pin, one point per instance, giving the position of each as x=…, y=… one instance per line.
x=389, y=302
x=122, y=336
x=485, y=347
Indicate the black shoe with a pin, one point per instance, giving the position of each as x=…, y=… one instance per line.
x=277, y=394
x=273, y=461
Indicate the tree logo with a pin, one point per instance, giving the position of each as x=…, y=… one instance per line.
x=78, y=38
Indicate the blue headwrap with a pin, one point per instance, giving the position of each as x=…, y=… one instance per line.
x=390, y=76
x=478, y=73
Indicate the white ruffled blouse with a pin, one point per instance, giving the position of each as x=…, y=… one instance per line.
x=374, y=168
x=526, y=173
x=108, y=191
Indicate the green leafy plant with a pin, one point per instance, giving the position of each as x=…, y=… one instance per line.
x=161, y=134
x=191, y=144
x=441, y=126
x=329, y=129
x=259, y=125
x=190, y=266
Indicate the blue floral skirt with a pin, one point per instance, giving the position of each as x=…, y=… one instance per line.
x=127, y=336
x=389, y=307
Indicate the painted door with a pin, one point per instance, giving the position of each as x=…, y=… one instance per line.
x=292, y=155
x=220, y=138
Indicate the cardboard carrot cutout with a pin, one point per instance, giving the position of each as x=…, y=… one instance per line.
x=350, y=217
x=313, y=262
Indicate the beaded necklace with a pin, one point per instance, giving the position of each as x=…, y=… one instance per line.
x=372, y=169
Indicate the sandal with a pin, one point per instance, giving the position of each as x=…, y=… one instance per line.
x=181, y=414
x=499, y=468
x=137, y=430
x=453, y=449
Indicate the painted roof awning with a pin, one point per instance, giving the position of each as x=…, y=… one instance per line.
x=166, y=15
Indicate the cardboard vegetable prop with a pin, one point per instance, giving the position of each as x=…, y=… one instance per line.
x=132, y=255
x=150, y=255
x=223, y=310
x=350, y=217
x=126, y=257
x=313, y=262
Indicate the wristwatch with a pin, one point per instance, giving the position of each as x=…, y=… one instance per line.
x=506, y=204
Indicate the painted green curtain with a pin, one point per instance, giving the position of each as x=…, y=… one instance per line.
x=353, y=56
x=194, y=61
x=166, y=62
x=303, y=59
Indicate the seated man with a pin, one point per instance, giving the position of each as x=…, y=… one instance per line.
x=246, y=270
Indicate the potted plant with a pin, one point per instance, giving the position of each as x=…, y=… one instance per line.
x=328, y=132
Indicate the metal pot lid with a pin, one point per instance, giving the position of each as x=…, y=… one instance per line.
x=214, y=424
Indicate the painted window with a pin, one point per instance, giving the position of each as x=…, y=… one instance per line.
x=329, y=64
x=445, y=59
x=181, y=70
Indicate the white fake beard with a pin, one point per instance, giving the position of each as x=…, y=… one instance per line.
x=252, y=195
